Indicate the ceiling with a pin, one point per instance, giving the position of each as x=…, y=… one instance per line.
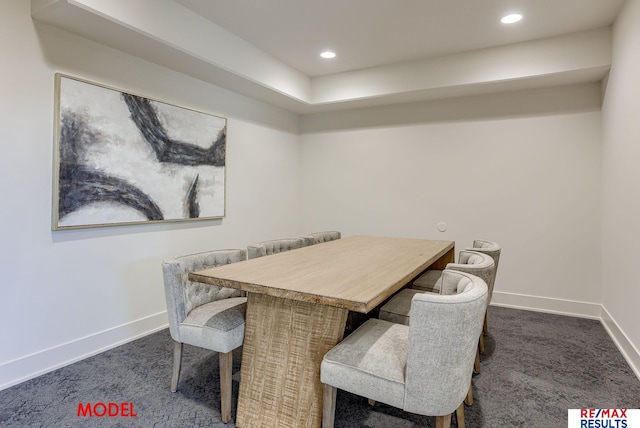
x=388, y=51
x=372, y=33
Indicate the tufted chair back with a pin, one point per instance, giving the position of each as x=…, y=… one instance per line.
x=320, y=237
x=475, y=263
x=443, y=338
x=267, y=248
x=183, y=295
x=493, y=250
x=454, y=282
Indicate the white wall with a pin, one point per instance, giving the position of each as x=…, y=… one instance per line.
x=526, y=177
x=70, y=293
x=621, y=183
x=530, y=172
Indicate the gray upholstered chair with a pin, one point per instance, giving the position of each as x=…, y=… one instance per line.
x=423, y=368
x=492, y=249
x=472, y=262
x=320, y=237
x=478, y=264
x=204, y=315
x=398, y=307
x=266, y=248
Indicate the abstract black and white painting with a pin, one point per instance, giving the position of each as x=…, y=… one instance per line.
x=125, y=159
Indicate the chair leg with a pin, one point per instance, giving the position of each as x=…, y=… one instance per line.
x=469, y=398
x=460, y=415
x=476, y=364
x=226, y=366
x=481, y=343
x=371, y=402
x=329, y=394
x=177, y=362
x=443, y=421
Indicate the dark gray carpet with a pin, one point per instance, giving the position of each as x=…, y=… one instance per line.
x=536, y=366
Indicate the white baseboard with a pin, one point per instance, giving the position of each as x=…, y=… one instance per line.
x=628, y=350
x=576, y=309
x=41, y=362
x=546, y=304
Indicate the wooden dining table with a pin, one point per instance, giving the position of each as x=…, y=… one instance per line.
x=297, y=307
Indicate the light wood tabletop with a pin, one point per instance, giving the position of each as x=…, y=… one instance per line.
x=297, y=307
x=355, y=273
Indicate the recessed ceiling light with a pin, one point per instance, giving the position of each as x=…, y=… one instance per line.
x=511, y=18
x=328, y=54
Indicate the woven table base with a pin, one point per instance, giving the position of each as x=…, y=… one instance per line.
x=284, y=343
